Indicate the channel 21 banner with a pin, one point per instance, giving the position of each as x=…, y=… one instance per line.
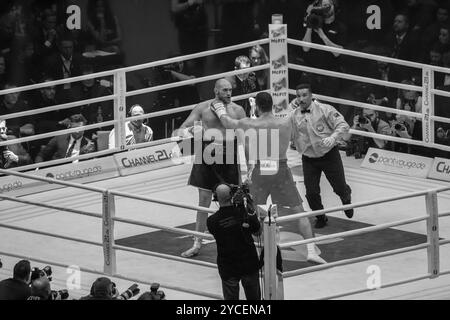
x=279, y=69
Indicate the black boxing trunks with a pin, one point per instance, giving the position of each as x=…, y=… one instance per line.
x=206, y=174
x=280, y=186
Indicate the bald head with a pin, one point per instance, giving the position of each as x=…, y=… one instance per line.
x=223, y=194
x=41, y=288
x=223, y=90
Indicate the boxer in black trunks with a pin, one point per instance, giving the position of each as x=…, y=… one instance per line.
x=205, y=175
x=271, y=175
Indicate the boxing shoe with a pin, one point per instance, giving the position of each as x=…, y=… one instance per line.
x=314, y=257
x=321, y=221
x=194, y=250
x=348, y=212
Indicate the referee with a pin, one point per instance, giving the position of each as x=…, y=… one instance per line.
x=316, y=127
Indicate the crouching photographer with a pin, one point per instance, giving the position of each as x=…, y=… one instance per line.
x=41, y=288
x=104, y=289
x=368, y=121
x=232, y=226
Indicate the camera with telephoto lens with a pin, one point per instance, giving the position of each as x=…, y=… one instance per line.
x=37, y=273
x=153, y=294
x=399, y=127
x=363, y=120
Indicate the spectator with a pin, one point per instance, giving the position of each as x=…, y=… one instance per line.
x=444, y=38
x=237, y=258
x=258, y=56
x=104, y=26
x=404, y=45
x=173, y=98
x=243, y=83
x=45, y=35
x=431, y=33
x=64, y=64
x=13, y=103
x=420, y=13
x=13, y=155
x=17, y=288
x=93, y=88
x=3, y=73
x=368, y=121
x=191, y=21
x=135, y=131
x=68, y=145
x=23, y=63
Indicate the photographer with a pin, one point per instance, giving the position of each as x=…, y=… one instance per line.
x=237, y=259
x=368, y=121
x=17, y=288
x=40, y=286
x=322, y=28
x=104, y=289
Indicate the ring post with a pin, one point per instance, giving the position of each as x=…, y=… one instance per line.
x=109, y=253
x=427, y=105
x=270, y=258
x=120, y=106
x=432, y=234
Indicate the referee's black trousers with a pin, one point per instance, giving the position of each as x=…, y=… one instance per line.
x=331, y=165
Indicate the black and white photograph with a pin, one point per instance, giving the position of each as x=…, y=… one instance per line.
x=225, y=154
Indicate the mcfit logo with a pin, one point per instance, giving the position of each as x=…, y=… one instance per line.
x=373, y=158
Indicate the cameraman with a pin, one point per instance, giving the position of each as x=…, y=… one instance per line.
x=17, y=288
x=237, y=258
x=369, y=121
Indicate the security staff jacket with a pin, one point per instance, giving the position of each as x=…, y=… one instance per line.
x=318, y=122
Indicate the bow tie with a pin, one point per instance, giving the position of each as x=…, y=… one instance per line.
x=305, y=111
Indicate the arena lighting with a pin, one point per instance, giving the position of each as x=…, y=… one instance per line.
x=277, y=18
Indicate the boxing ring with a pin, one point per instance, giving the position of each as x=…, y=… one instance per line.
x=107, y=196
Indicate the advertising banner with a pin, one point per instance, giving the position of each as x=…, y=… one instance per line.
x=279, y=84
x=147, y=159
x=440, y=169
x=399, y=163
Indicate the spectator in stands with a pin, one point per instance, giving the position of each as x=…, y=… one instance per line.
x=420, y=14
x=24, y=63
x=3, y=73
x=64, y=64
x=323, y=29
x=90, y=89
x=243, y=83
x=191, y=20
x=431, y=33
x=68, y=145
x=13, y=155
x=173, y=98
x=45, y=35
x=444, y=38
x=104, y=26
x=135, y=131
x=258, y=56
x=13, y=103
x=404, y=45
x=368, y=121
x=17, y=288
